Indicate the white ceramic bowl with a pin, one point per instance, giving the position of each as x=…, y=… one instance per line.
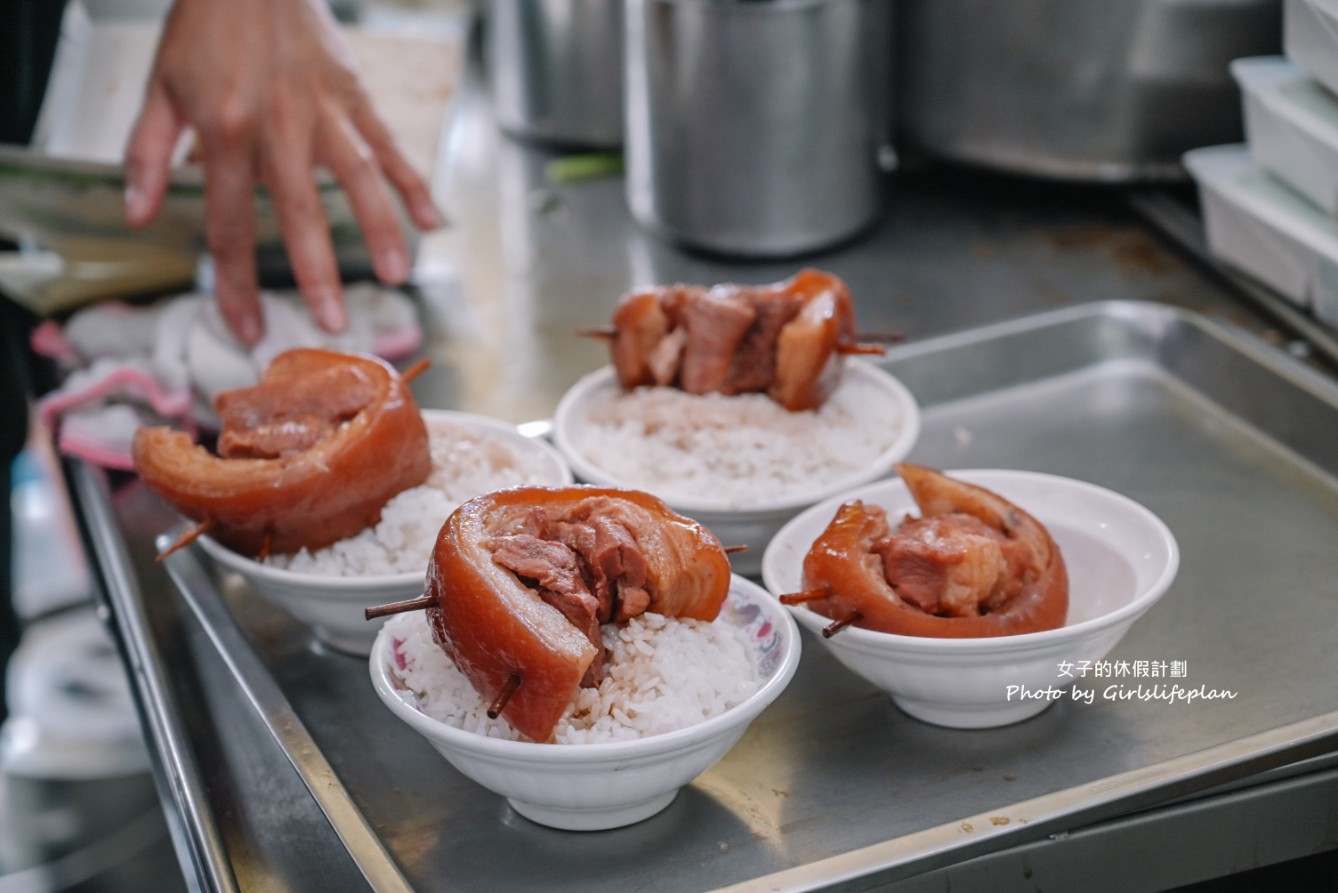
x=333, y=606
x=752, y=522
x=590, y=787
x=1121, y=559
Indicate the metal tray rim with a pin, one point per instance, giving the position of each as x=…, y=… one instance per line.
x=1030, y=819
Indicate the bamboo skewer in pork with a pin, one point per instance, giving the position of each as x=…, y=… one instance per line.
x=972, y=565
x=307, y=457
x=521, y=581
x=866, y=343
x=786, y=339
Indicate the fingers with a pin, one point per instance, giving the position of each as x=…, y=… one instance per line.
x=230, y=234
x=148, y=157
x=344, y=152
x=396, y=167
x=306, y=232
x=229, y=227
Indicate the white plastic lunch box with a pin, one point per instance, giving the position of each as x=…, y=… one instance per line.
x=1257, y=224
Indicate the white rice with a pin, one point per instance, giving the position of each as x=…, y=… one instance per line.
x=663, y=674
x=466, y=462
x=733, y=451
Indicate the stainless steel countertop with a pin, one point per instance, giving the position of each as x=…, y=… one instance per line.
x=528, y=261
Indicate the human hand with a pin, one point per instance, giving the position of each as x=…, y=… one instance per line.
x=271, y=89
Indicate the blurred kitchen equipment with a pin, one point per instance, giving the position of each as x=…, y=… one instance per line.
x=1087, y=90
x=78, y=806
x=555, y=69
x=62, y=196
x=755, y=128
x=1257, y=225
x=1310, y=38
x=1291, y=125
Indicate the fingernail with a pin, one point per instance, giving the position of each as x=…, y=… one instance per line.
x=395, y=267
x=430, y=216
x=135, y=202
x=250, y=330
x=328, y=308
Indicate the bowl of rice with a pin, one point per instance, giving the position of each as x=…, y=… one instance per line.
x=1120, y=557
x=742, y=465
x=677, y=695
x=330, y=588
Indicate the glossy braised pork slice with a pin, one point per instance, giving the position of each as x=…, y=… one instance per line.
x=715, y=323
x=486, y=611
x=310, y=455
x=954, y=565
x=784, y=339
x=615, y=569
x=972, y=564
x=278, y=418
x=553, y=571
x=753, y=367
x=642, y=324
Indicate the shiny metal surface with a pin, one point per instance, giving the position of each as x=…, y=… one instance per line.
x=833, y=783
x=1076, y=89
x=554, y=69
x=107, y=833
x=1195, y=414
x=754, y=129
x=181, y=786
x=1174, y=218
x=1292, y=816
x=281, y=721
x=240, y=817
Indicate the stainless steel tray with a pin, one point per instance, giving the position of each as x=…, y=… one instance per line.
x=1231, y=442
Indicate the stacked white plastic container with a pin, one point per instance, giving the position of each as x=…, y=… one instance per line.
x=1270, y=205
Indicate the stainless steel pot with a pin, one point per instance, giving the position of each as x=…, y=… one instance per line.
x=754, y=128
x=555, y=68
x=1098, y=90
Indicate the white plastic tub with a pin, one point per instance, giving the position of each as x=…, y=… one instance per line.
x=1260, y=226
x=1310, y=38
x=1291, y=125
